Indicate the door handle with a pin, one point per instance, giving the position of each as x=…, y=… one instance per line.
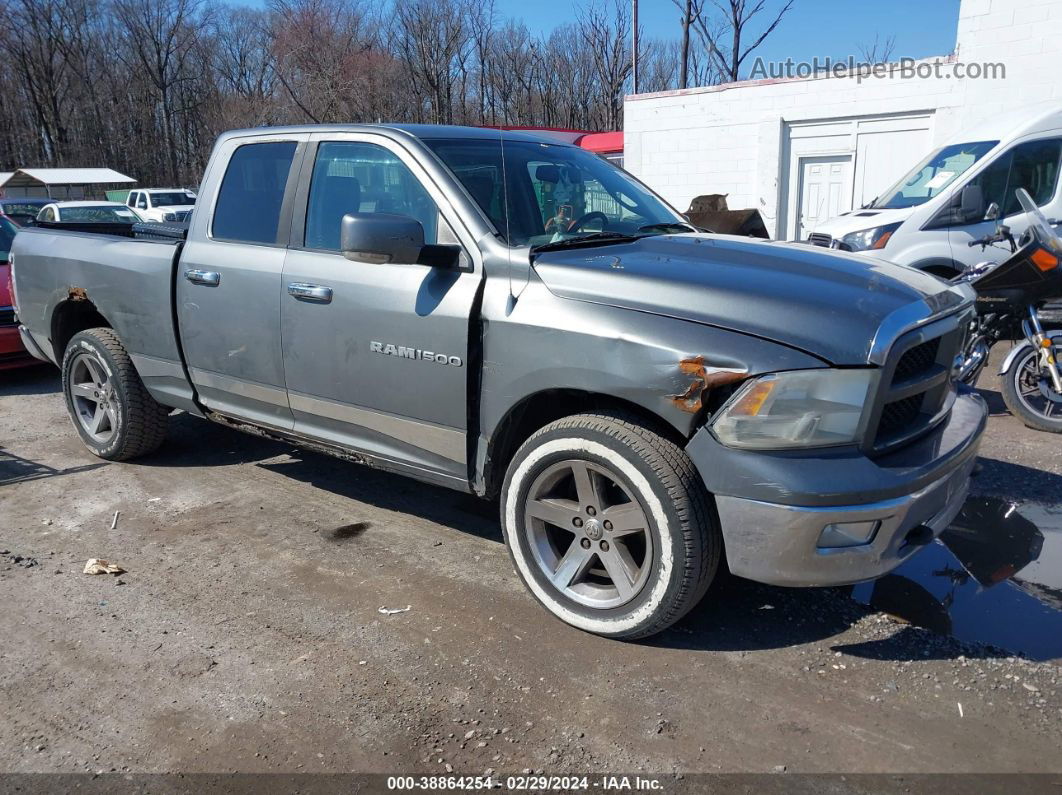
x=310, y=292
x=212, y=278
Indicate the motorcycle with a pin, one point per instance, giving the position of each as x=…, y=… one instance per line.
x=1009, y=297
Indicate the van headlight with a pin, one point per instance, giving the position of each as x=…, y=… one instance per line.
x=797, y=408
x=868, y=239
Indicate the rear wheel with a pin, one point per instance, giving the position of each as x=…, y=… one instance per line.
x=112, y=411
x=1029, y=393
x=609, y=525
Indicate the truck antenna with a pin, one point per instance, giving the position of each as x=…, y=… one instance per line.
x=510, y=302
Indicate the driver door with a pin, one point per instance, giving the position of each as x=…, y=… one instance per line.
x=1032, y=165
x=376, y=355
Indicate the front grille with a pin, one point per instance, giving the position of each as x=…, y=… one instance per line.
x=7, y=316
x=898, y=415
x=819, y=239
x=917, y=384
x=917, y=360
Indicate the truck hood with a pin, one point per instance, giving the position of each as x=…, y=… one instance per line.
x=858, y=220
x=825, y=303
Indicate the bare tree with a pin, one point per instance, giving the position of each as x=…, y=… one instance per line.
x=727, y=37
x=878, y=52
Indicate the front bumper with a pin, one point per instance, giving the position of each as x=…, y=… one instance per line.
x=774, y=506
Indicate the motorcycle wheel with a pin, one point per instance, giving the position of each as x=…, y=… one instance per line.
x=1030, y=396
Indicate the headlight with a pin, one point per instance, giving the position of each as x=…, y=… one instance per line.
x=875, y=238
x=170, y=217
x=798, y=408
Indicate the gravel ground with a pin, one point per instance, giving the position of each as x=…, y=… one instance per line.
x=246, y=634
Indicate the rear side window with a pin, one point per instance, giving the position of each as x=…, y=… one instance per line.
x=248, y=205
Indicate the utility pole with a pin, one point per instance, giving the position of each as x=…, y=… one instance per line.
x=634, y=47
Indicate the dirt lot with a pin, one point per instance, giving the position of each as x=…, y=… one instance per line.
x=246, y=634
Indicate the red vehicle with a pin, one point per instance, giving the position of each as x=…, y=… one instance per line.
x=12, y=353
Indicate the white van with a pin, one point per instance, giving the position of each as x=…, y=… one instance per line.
x=956, y=195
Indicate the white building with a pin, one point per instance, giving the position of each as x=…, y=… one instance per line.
x=803, y=150
x=61, y=183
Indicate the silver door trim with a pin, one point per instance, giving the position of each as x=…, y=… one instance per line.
x=237, y=386
x=438, y=439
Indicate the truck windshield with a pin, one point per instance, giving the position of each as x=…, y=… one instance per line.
x=101, y=213
x=174, y=199
x=553, y=192
x=932, y=175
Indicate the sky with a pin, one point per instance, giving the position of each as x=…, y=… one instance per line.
x=823, y=28
x=831, y=29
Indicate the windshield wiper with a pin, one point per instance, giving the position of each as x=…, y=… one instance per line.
x=668, y=226
x=591, y=239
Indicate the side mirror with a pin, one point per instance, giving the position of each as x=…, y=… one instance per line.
x=992, y=213
x=972, y=202
x=378, y=238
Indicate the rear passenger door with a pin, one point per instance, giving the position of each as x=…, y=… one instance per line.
x=229, y=280
x=354, y=351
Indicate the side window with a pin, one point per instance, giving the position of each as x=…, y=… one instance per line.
x=252, y=191
x=352, y=177
x=130, y=200
x=1033, y=165
x=1035, y=168
x=993, y=180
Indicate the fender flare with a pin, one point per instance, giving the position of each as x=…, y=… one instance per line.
x=1018, y=349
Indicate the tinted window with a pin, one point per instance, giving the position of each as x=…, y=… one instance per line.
x=1033, y=166
x=362, y=178
x=248, y=206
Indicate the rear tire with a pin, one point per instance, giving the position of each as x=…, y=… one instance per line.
x=111, y=409
x=609, y=525
x=1022, y=394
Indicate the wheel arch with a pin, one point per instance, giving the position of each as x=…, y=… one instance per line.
x=70, y=316
x=541, y=408
x=944, y=267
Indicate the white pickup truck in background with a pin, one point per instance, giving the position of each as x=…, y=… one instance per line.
x=162, y=204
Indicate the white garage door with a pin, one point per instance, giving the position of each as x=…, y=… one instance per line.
x=840, y=163
x=824, y=190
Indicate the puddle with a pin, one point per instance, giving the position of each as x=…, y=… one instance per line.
x=994, y=576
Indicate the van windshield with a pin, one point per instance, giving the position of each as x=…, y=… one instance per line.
x=933, y=175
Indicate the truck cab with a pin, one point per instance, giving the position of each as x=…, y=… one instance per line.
x=957, y=194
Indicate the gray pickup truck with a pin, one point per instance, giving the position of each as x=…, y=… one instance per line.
x=517, y=318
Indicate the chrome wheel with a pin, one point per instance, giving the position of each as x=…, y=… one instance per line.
x=1035, y=390
x=588, y=535
x=93, y=398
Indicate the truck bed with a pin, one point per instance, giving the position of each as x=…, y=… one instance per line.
x=127, y=280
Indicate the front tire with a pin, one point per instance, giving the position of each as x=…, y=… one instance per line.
x=609, y=525
x=112, y=411
x=1030, y=395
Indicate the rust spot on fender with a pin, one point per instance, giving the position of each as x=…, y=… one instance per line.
x=703, y=378
x=77, y=294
